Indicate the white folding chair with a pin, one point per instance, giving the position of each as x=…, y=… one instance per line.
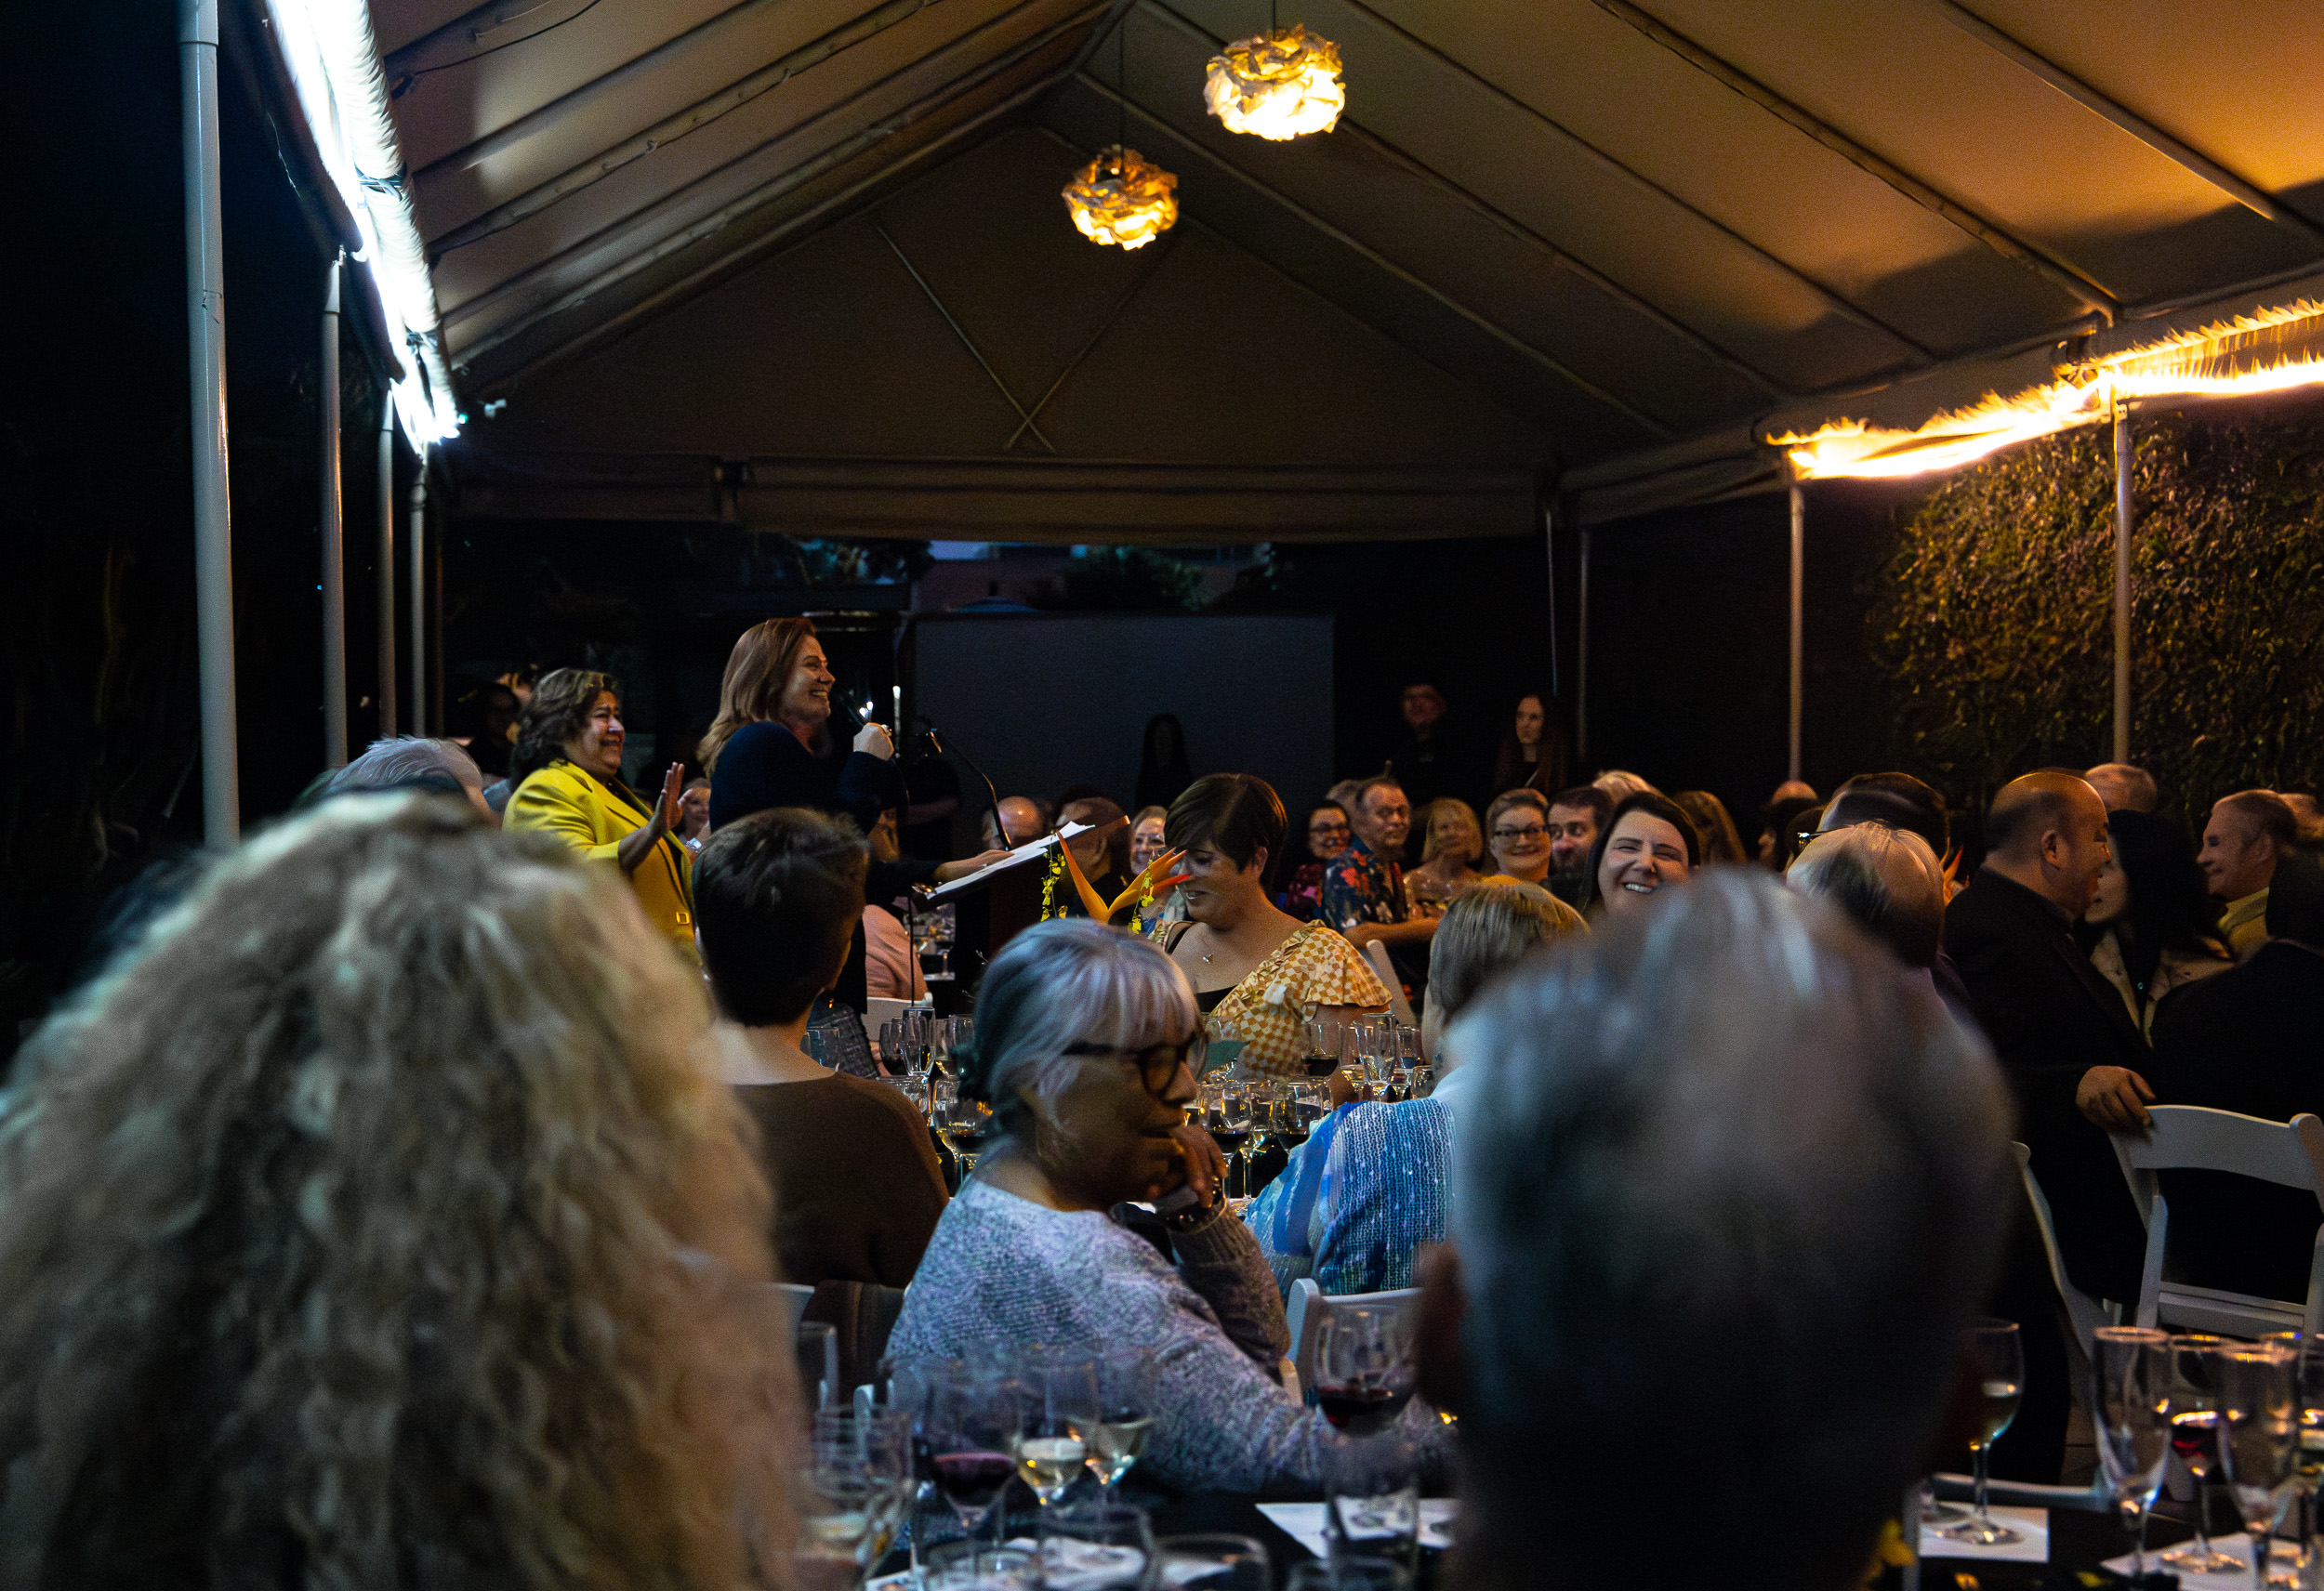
x=1401, y=1008
x=2193, y=1138
x=1309, y=1306
x=2084, y=1312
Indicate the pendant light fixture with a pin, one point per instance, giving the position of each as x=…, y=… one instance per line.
x=1282, y=84
x=1121, y=198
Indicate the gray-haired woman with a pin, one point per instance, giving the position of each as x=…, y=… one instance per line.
x=1083, y=1040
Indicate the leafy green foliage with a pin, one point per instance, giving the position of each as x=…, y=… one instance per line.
x=1125, y=580
x=1993, y=621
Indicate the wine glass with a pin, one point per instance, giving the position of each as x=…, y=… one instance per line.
x=1322, y=1046
x=1214, y=1563
x=2194, y=1396
x=2308, y=1378
x=1227, y=1105
x=2131, y=1411
x=1060, y=1405
x=1363, y=1369
x=961, y=1123
x=1097, y=1546
x=1997, y=1356
x=970, y=1431
x=1115, y=1440
x=2258, y=1437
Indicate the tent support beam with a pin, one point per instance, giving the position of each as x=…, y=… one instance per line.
x=417, y=536
x=2196, y=164
x=1518, y=229
x=2061, y=275
x=334, y=547
x=387, y=563
x=1372, y=257
x=205, y=326
x=1025, y=420
x=541, y=276
x=2125, y=459
x=1797, y=695
x=1826, y=295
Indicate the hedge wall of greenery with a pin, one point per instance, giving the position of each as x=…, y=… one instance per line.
x=1993, y=622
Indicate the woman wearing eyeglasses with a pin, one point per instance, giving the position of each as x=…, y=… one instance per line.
x=1086, y=1041
x=1517, y=835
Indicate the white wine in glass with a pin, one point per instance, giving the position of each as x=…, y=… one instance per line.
x=1993, y=1352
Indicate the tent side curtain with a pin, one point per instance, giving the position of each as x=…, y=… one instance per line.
x=1008, y=500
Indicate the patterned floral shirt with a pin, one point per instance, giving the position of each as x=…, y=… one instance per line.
x=1269, y=1009
x=1360, y=887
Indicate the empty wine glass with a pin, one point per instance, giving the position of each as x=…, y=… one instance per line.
x=2308, y=1381
x=1059, y=1406
x=2259, y=1439
x=1096, y=1546
x=2194, y=1394
x=1997, y=1357
x=1214, y=1563
x=2131, y=1414
x=1115, y=1439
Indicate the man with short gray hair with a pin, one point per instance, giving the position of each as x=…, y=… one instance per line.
x=415, y=762
x=2124, y=788
x=1886, y=880
x=2246, y=833
x=1740, y=1188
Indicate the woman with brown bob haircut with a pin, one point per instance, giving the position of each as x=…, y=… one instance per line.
x=381, y=1223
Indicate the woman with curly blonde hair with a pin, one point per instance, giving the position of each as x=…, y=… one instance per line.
x=380, y=1225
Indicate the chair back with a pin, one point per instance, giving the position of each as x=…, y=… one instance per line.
x=2086, y=1314
x=1309, y=1306
x=2194, y=1138
x=1377, y=954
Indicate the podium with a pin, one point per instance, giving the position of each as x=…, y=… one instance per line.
x=996, y=904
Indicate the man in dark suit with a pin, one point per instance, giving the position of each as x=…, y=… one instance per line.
x=2250, y=1040
x=2074, y=1060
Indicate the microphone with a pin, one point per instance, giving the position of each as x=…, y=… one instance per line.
x=937, y=744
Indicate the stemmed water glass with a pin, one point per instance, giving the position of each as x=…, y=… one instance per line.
x=960, y=1121
x=1115, y=1439
x=2194, y=1394
x=2131, y=1411
x=1997, y=1357
x=2258, y=1437
x=2308, y=1381
x=1060, y=1404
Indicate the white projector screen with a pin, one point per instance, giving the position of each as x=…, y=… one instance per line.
x=1042, y=701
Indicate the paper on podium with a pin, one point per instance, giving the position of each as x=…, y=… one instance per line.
x=1017, y=858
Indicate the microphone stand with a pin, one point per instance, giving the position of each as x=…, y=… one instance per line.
x=936, y=744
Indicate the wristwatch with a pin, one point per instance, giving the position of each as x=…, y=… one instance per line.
x=1184, y=1209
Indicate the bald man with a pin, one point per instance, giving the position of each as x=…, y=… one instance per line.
x=1022, y=819
x=2073, y=1055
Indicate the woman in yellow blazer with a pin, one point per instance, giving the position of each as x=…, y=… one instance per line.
x=568, y=755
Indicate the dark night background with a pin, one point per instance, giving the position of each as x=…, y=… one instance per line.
x=1687, y=677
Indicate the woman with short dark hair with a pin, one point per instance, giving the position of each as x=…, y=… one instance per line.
x=1255, y=969
x=1086, y=1042
x=2147, y=928
x=1648, y=843
x=857, y=1189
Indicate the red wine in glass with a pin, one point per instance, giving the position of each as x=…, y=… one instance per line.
x=2194, y=1438
x=972, y=1482
x=1362, y=1410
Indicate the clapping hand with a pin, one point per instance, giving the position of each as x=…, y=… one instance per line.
x=638, y=845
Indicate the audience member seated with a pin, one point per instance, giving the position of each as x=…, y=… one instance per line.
x=1367, y=1190
x=1450, y=844
x=1146, y=838
x=1900, y=801
x=857, y=1187
x=1022, y=821
x=1534, y=754
x=2145, y=928
x=382, y=1224
x=2251, y=1041
x=1791, y=799
x=1103, y=861
x=1576, y=817
x=1647, y=844
x=1363, y=895
x=1428, y=761
x=1517, y=835
x=1327, y=837
x=1721, y=845
x=1255, y=969
x=1773, y=1166
x=2069, y=1045
x=414, y=762
x=567, y=765
x=2247, y=832
x=1083, y=1041
x=2124, y=788
x=1620, y=785
x=694, y=813
x=892, y=965
x=1886, y=880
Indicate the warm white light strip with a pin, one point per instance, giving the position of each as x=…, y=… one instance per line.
x=334, y=64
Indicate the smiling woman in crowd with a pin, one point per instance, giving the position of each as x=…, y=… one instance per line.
x=1328, y=835
x=1517, y=833
x=568, y=764
x=1647, y=844
x=1450, y=845
x=1085, y=1043
x=1255, y=969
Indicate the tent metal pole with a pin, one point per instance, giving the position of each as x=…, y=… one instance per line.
x=1549, y=548
x=334, y=547
x=1581, y=657
x=1798, y=625
x=206, y=325
x=2125, y=457
x=417, y=536
x=387, y=563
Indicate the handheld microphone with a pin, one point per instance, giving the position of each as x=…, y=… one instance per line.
x=937, y=744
